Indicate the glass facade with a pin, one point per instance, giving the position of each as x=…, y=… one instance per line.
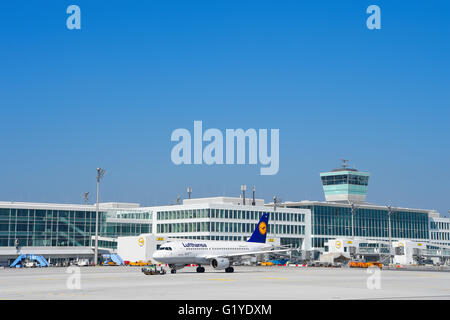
x=440, y=231
x=330, y=221
x=114, y=229
x=66, y=228
x=110, y=244
x=358, y=180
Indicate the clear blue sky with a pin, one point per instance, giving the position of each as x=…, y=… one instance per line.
x=111, y=93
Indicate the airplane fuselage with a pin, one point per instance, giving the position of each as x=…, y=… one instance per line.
x=197, y=252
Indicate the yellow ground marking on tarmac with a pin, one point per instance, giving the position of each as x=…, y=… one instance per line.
x=430, y=275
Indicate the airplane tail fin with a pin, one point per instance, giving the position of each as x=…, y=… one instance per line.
x=260, y=233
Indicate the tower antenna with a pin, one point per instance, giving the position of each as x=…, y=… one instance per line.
x=344, y=164
x=254, y=200
x=86, y=197
x=243, y=189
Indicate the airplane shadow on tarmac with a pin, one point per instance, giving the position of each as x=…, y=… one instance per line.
x=214, y=272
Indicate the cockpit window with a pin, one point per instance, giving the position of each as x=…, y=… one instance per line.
x=166, y=248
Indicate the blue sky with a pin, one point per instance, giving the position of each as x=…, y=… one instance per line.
x=111, y=94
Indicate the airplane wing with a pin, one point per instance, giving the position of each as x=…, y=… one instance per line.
x=246, y=254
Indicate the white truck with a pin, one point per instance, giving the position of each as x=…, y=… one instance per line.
x=30, y=264
x=82, y=262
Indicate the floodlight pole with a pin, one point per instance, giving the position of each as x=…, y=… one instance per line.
x=100, y=173
x=353, y=209
x=275, y=215
x=390, y=237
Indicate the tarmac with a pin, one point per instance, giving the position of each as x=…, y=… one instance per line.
x=246, y=283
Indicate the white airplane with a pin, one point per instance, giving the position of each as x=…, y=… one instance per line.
x=220, y=254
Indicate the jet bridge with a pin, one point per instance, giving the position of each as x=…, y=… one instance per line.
x=441, y=253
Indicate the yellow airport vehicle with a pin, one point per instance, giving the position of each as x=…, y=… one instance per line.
x=359, y=264
x=375, y=264
x=140, y=263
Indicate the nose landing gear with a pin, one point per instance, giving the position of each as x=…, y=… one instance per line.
x=200, y=269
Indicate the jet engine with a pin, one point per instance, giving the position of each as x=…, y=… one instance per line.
x=220, y=263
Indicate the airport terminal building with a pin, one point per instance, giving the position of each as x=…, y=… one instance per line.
x=59, y=231
x=66, y=231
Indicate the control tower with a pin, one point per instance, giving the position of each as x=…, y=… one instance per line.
x=345, y=184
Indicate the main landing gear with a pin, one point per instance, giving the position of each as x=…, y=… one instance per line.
x=175, y=267
x=200, y=269
x=229, y=270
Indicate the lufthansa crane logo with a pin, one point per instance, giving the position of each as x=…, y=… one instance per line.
x=141, y=242
x=262, y=228
x=338, y=244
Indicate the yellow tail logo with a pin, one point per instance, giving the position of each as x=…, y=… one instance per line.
x=262, y=228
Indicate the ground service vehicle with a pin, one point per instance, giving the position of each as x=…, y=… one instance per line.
x=360, y=264
x=153, y=270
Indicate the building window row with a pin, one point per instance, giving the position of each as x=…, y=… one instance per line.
x=440, y=236
x=227, y=227
x=228, y=214
x=133, y=215
x=439, y=225
x=345, y=179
